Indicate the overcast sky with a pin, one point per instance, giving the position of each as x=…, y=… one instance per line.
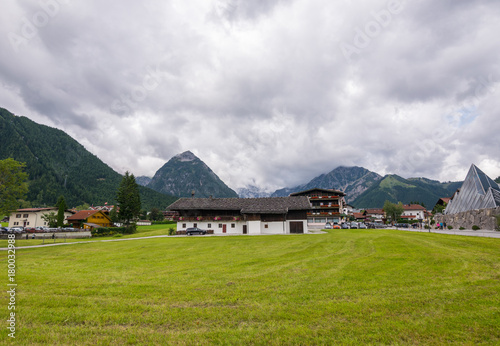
x=266, y=92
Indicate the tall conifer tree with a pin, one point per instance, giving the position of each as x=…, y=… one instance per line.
x=129, y=200
x=61, y=204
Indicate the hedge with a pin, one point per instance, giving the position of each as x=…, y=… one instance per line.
x=111, y=231
x=163, y=222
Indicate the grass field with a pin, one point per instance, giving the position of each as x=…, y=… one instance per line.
x=343, y=287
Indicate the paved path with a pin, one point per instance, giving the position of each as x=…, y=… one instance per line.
x=466, y=232
x=479, y=233
x=138, y=238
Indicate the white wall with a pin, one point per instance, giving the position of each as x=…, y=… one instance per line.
x=253, y=227
x=34, y=219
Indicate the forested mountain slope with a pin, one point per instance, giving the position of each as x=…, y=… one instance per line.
x=58, y=165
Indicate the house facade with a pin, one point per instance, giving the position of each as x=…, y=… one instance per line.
x=413, y=212
x=33, y=217
x=274, y=215
x=89, y=219
x=375, y=215
x=327, y=206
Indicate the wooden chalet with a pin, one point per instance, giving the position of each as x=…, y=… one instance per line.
x=90, y=219
x=274, y=215
x=327, y=206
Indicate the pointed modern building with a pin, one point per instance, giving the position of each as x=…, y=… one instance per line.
x=478, y=191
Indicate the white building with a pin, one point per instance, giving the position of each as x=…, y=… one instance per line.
x=413, y=212
x=278, y=215
x=32, y=217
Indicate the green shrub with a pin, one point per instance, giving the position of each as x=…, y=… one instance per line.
x=461, y=228
x=450, y=227
x=112, y=231
x=165, y=222
x=427, y=227
x=475, y=228
x=171, y=231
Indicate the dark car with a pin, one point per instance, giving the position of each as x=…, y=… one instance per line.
x=195, y=230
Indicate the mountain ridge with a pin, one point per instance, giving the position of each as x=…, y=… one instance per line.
x=351, y=180
x=185, y=173
x=58, y=165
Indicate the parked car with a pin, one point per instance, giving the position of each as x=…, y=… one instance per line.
x=328, y=226
x=4, y=229
x=354, y=225
x=195, y=230
x=16, y=230
x=336, y=226
x=362, y=226
x=33, y=230
x=344, y=225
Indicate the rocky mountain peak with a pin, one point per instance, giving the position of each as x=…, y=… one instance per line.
x=185, y=156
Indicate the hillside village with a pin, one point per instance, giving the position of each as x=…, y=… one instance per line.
x=300, y=212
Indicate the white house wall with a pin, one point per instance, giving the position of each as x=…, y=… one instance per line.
x=253, y=227
x=33, y=219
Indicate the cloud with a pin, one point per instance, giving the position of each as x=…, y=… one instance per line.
x=269, y=93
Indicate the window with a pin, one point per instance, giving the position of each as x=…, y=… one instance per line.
x=18, y=216
x=209, y=225
x=25, y=215
x=195, y=224
x=220, y=225
x=183, y=225
x=233, y=225
x=266, y=226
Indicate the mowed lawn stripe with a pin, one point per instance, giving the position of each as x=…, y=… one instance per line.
x=346, y=286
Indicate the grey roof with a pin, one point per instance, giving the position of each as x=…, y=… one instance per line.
x=478, y=191
x=271, y=205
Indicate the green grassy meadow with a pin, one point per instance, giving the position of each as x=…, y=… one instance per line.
x=343, y=287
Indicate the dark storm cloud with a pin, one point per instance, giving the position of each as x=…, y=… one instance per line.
x=271, y=93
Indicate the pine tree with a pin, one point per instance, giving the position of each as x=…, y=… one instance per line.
x=129, y=200
x=61, y=204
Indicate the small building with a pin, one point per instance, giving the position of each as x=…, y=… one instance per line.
x=360, y=217
x=327, y=206
x=413, y=212
x=90, y=219
x=375, y=215
x=348, y=209
x=143, y=223
x=33, y=217
x=273, y=215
